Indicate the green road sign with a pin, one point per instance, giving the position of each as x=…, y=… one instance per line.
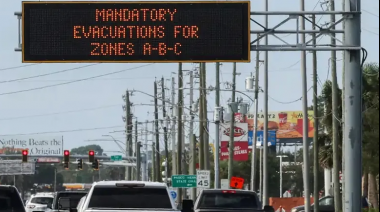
x=184, y=181
x=116, y=157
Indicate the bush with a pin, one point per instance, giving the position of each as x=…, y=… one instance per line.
x=371, y=210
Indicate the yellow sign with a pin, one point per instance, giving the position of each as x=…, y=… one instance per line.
x=288, y=124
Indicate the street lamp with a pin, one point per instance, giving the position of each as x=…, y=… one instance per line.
x=281, y=156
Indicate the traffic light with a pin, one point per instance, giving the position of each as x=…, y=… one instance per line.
x=80, y=164
x=25, y=156
x=95, y=165
x=91, y=156
x=66, y=159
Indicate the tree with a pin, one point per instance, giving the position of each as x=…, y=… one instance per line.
x=371, y=132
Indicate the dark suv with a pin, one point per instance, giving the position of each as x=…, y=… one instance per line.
x=10, y=199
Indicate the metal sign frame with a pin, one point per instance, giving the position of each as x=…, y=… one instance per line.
x=16, y=167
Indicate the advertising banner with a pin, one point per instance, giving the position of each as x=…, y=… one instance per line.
x=16, y=167
x=240, y=132
x=36, y=145
x=287, y=124
x=240, y=151
x=272, y=140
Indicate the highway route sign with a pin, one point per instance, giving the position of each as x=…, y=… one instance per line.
x=203, y=178
x=184, y=181
x=116, y=157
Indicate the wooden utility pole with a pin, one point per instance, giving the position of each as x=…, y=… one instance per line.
x=180, y=128
x=201, y=118
x=168, y=174
x=316, y=123
x=158, y=155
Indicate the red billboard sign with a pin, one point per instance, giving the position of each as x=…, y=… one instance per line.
x=240, y=151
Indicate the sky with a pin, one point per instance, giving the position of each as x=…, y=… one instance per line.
x=86, y=110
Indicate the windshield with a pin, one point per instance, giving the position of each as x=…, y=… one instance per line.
x=228, y=200
x=74, y=198
x=115, y=197
x=42, y=200
x=10, y=200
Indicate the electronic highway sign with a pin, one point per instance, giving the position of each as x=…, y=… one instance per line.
x=177, y=31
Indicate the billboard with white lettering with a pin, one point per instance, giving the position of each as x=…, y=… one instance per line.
x=35, y=145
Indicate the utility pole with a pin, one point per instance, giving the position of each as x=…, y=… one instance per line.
x=128, y=123
x=137, y=171
x=154, y=175
x=204, y=122
x=193, y=147
x=232, y=126
x=316, y=122
x=138, y=160
x=335, y=122
x=145, y=168
x=254, y=140
x=353, y=109
x=306, y=163
x=217, y=126
x=158, y=155
x=266, y=114
x=173, y=124
x=343, y=102
x=202, y=91
x=168, y=174
x=179, y=135
x=183, y=152
x=261, y=174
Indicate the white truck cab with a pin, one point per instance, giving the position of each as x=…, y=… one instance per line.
x=107, y=196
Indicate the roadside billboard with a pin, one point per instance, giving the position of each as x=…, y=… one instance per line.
x=287, y=124
x=240, y=132
x=16, y=167
x=36, y=145
x=240, y=151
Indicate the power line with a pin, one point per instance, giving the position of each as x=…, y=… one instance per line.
x=371, y=13
x=65, y=131
x=42, y=75
x=74, y=81
x=104, y=79
x=56, y=113
x=16, y=67
x=291, y=102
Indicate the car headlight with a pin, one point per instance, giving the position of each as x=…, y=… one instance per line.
x=31, y=206
x=294, y=210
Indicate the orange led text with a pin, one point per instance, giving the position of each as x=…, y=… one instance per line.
x=135, y=14
x=104, y=49
x=186, y=31
x=119, y=32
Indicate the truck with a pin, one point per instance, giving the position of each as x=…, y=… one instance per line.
x=10, y=199
x=124, y=196
x=229, y=200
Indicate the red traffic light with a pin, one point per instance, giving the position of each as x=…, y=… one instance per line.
x=91, y=153
x=66, y=152
x=24, y=152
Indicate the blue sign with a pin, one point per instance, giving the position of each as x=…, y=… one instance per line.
x=173, y=194
x=272, y=139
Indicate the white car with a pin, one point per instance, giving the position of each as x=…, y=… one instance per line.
x=40, y=202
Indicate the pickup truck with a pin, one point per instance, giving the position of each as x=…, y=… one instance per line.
x=124, y=196
x=10, y=199
x=218, y=200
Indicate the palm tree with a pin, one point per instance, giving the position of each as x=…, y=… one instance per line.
x=370, y=127
x=371, y=132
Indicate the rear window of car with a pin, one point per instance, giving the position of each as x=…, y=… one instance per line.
x=10, y=200
x=42, y=200
x=220, y=200
x=130, y=198
x=75, y=198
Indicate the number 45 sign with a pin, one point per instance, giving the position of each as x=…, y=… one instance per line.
x=203, y=179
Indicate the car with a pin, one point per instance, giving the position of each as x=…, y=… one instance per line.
x=40, y=202
x=10, y=199
x=326, y=204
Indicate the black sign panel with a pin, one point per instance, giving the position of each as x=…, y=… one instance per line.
x=136, y=31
